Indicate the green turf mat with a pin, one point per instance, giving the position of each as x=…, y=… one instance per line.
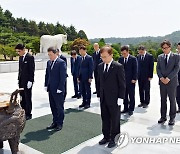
x=79, y=126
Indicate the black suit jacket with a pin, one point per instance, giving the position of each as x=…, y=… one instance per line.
x=96, y=60
x=65, y=59
x=146, y=67
x=130, y=68
x=75, y=65
x=85, y=70
x=113, y=86
x=26, y=70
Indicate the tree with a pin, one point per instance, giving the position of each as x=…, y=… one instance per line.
x=77, y=43
x=36, y=46
x=101, y=42
x=81, y=34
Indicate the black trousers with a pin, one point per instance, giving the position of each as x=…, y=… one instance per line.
x=65, y=89
x=76, y=86
x=26, y=99
x=86, y=92
x=171, y=93
x=96, y=79
x=1, y=144
x=144, y=91
x=57, y=107
x=178, y=96
x=129, y=101
x=110, y=116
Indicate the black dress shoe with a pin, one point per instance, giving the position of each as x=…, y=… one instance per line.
x=52, y=126
x=58, y=128
x=130, y=113
x=178, y=111
x=124, y=111
x=111, y=144
x=82, y=105
x=140, y=105
x=28, y=117
x=145, y=105
x=103, y=141
x=171, y=122
x=86, y=106
x=95, y=92
x=162, y=120
x=78, y=97
x=74, y=96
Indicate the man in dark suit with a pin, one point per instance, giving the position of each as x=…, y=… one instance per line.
x=130, y=66
x=111, y=90
x=85, y=76
x=75, y=63
x=178, y=87
x=145, y=74
x=26, y=78
x=55, y=79
x=167, y=70
x=97, y=60
x=59, y=53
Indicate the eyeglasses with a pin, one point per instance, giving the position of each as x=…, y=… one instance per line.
x=165, y=48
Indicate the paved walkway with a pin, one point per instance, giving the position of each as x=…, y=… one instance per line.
x=142, y=124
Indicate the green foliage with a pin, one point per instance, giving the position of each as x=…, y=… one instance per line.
x=9, y=24
x=116, y=46
x=8, y=51
x=81, y=34
x=115, y=55
x=67, y=47
x=77, y=43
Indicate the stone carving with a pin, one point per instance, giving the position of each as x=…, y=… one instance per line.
x=12, y=122
x=55, y=41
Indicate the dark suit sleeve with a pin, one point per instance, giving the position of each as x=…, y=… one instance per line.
x=31, y=68
x=135, y=69
x=98, y=80
x=176, y=68
x=63, y=68
x=121, y=82
x=91, y=68
x=46, y=76
x=71, y=63
x=158, y=67
x=151, y=66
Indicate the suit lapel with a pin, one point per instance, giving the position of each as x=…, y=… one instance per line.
x=110, y=69
x=169, y=61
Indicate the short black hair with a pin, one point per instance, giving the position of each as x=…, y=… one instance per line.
x=52, y=49
x=73, y=52
x=178, y=43
x=82, y=47
x=168, y=43
x=20, y=46
x=141, y=47
x=125, y=48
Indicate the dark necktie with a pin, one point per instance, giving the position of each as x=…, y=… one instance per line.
x=125, y=61
x=142, y=57
x=21, y=59
x=166, y=56
x=106, y=71
x=51, y=64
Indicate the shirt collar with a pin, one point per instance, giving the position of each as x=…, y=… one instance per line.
x=25, y=54
x=168, y=54
x=127, y=57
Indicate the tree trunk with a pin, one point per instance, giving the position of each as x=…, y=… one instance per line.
x=5, y=57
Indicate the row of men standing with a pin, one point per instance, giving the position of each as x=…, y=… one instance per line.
x=144, y=74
